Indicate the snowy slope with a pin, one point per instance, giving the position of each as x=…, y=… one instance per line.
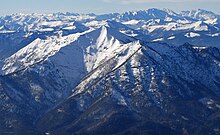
x=159, y=84
x=133, y=70
x=96, y=44
x=37, y=51
x=56, y=64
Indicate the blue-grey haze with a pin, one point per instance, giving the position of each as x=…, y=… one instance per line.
x=101, y=6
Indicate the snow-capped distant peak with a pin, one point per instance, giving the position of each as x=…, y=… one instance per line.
x=200, y=14
x=4, y=29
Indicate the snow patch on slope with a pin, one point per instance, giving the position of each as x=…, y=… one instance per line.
x=172, y=37
x=191, y=35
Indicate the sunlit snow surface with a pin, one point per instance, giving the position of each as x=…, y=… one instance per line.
x=65, y=65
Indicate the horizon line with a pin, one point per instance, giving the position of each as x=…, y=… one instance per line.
x=106, y=13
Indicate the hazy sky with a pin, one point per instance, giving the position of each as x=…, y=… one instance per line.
x=102, y=6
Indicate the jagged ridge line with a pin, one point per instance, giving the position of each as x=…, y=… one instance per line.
x=107, y=74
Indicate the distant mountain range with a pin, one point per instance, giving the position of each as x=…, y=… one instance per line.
x=148, y=72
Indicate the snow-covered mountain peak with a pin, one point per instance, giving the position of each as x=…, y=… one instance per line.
x=37, y=51
x=170, y=12
x=132, y=68
x=103, y=36
x=4, y=29
x=101, y=44
x=97, y=44
x=200, y=14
